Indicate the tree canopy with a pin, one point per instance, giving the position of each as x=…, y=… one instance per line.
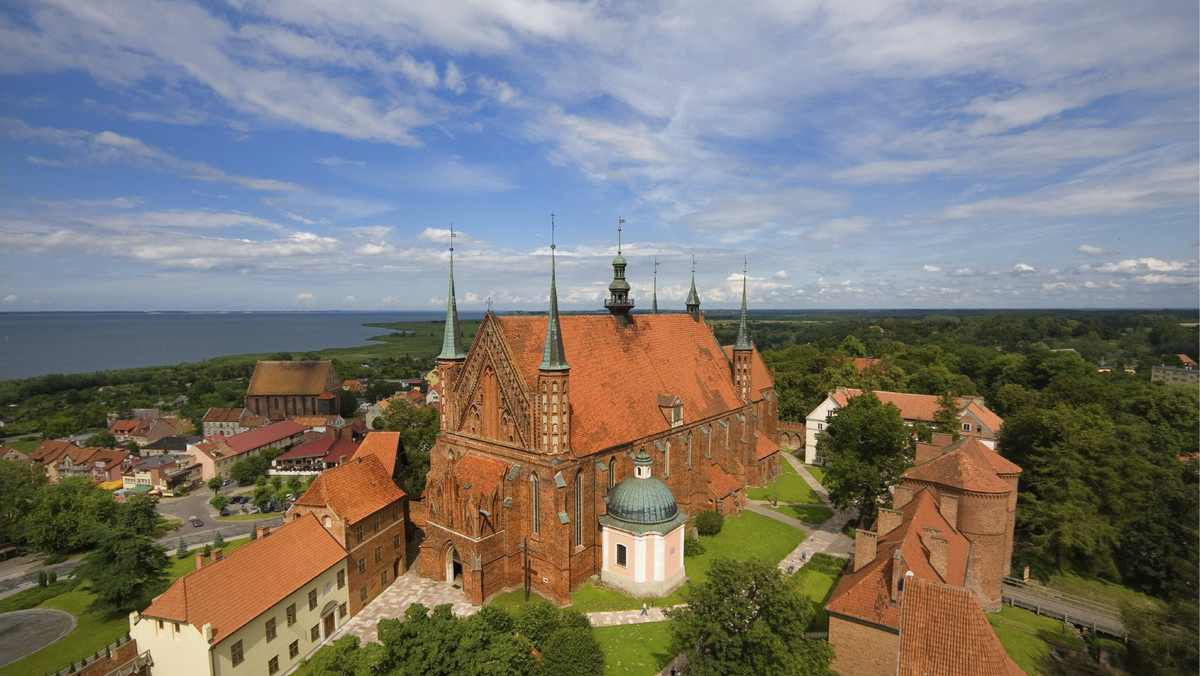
x=747, y=619
x=866, y=446
x=125, y=567
x=418, y=428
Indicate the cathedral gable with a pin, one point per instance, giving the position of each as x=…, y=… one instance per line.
x=490, y=396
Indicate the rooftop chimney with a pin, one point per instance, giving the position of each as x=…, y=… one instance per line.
x=888, y=520
x=217, y=554
x=864, y=548
x=948, y=504
x=263, y=531
x=901, y=496
x=897, y=574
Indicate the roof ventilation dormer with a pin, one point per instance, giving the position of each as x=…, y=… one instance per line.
x=672, y=409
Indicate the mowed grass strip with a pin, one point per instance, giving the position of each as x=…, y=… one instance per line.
x=792, y=488
x=807, y=513
x=635, y=648
x=1017, y=630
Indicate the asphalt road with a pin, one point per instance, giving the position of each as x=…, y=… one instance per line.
x=197, y=505
x=26, y=631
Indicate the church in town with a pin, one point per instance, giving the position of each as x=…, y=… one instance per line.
x=576, y=446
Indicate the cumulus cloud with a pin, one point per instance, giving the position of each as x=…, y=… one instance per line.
x=1023, y=268
x=780, y=274
x=304, y=298
x=1091, y=250
x=930, y=268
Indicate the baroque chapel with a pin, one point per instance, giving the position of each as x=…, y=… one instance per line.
x=544, y=415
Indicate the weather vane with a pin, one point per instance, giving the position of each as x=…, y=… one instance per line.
x=452, y=236
x=693, y=264
x=551, y=231
x=620, y=221
x=489, y=303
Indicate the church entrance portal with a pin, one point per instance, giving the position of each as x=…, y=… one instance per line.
x=454, y=568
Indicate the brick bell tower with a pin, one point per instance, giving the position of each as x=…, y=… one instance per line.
x=554, y=407
x=743, y=352
x=451, y=357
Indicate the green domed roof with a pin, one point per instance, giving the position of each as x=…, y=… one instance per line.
x=619, y=260
x=642, y=501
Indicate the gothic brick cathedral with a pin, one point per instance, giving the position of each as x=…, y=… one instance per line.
x=541, y=418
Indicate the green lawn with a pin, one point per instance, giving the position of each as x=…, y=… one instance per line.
x=1018, y=632
x=792, y=488
x=817, y=473
x=806, y=513
x=746, y=536
x=635, y=648
x=24, y=446
x=1098, y=590
x=93, y=630
x=816, y=580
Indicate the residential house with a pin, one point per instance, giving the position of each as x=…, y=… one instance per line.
x=387, y=448
x=10, y=453
x=975, y=419
x=281, y=435
x=1175, y=375
x=283, y=389
x=176, y=443
x=144, y=431
x=229, y=421
x=913, y=599
x=214, y=456
x=109, y=464
x=353, y=386
x=163, y=473
x=261, y=610
x=321, y=423
x=326, y=451
x=363, y=509
x=378, y=409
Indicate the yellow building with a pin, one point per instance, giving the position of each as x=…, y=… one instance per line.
x=260, y=610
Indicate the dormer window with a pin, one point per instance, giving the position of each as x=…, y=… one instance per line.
x=672, y=409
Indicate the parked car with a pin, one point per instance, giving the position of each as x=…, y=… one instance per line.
x=225, y=511
x=196, y=522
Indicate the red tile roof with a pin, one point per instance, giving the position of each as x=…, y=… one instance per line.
x=382, y=445
x=483, y=474
x=216, y=415
x=50, y=450
x=865, y=593
x=968, y=465
x=944, y=631
x=760, y=375
x=257, y=438
x=126, y=426
x=920, y=406
x=215, y=447
x=764, y=447
x=722, y=483
x=354, y=490
x=617, y=373
x=230, y=593
x=317, y=448
x=342, y=451
x=291, y=377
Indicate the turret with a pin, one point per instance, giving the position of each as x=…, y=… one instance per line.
x=693, y=300
x=619, y=303
x=554, y=416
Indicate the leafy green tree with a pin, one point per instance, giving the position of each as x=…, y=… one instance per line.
x=746, y=619
x=536, y=620
x=64, y=513
x=1162, y=637
x=214, y=484
x=418, y=428
x=866, y=446
x=248, y=470
x=945, y=418
x=101, y=439
x=219, y=502
x=708, y=522
x=262, y=495
x=572, y=651
x=124, y=568
x=139, y=513
x=20, y=483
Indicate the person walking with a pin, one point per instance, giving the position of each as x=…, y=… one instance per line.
x=645, y=610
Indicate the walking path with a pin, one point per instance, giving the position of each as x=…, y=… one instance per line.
x=826, y=538
x=408, y=589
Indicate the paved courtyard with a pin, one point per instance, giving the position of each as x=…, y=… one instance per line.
x=408, y=589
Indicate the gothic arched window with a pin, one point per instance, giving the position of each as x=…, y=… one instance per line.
x=537, y=504
x=578, y=508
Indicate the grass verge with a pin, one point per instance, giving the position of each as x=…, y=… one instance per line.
x=635, y=648
x=816, y=580
x=792, y=488
x=1018, y=630
x=806, y=513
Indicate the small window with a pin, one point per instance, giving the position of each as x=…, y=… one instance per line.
x=396, y=541
x=362, y=565
x=273, y=665
x=294, y=649
x=341, y=579
x=358, y=533
x=375, y=523
x=966, y=427
x=235, y=653
x=270, y=630
x=378, y=554
x=622, y=555
x=342, y=611
x=291, y=614
x=395, y=512
x=312, y=599
x=314, y=634
x=383, y=576
x=362, y=593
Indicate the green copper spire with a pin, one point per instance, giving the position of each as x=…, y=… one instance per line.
x=451, y=342
x=553, y=357
x=743, y=337
x=654, y=308
x=619, y=303
x=693, y=300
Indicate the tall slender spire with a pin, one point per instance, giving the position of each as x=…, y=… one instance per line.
x=619, y=303
x=452, y=348
x=553, y=357
x=693, y=300
x=654, y=308
x=743, y=336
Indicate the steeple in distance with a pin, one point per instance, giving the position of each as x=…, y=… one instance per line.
x=619, y=303
x=553, y=357
x=452, y=349
x=693, y=300
x=654, y=307
x=743, y=334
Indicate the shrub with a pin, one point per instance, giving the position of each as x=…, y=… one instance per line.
x=218, y=540
x=41, y=578
x=692, y=547
x=708, y=523
x=219, y=502
x=572, y=651
x=181, y=549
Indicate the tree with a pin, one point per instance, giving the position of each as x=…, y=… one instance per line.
x=219, y=502
x=747, y=619
x=101, y=439
x=867, y=447
x=20, y=483
x=181, y=549
x=140, y=513
x=218, y=540
x=124, y=568
x=214, y=484
x=708, y=522
x=418, y=428
x=572, y=651
x=945, y=418
x=64, y=513
x=248, y=470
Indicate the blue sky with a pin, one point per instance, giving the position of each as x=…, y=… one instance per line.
x=164, y=155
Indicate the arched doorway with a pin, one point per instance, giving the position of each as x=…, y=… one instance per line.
x=329, y=617
x=454, y=568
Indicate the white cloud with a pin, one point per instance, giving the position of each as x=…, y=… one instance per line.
x=930, y=268
x=304, y=298
x=1023, y=268
x=349, y=300
x=1089, y=249
x=780, y=274
x=10, y=298
x=453, y=79
x=963, y=272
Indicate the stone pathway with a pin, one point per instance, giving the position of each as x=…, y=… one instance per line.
x=826, y=538
x=408, y=589
x=615, y=617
